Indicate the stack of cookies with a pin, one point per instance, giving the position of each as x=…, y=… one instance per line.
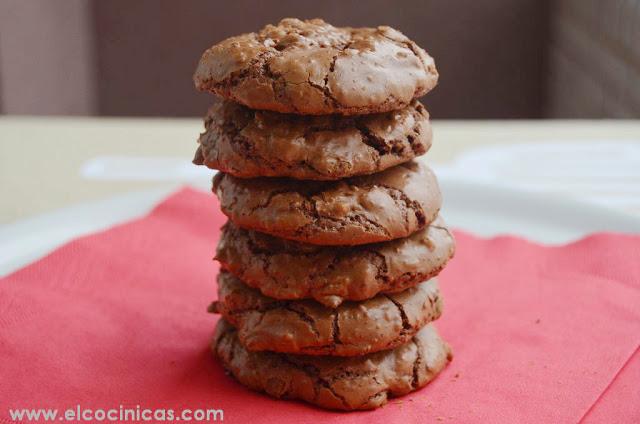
x=326, y=288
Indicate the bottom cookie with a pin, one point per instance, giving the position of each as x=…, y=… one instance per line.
x=346, y=383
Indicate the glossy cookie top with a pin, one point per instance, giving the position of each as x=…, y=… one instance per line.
x=384, y=206
x=313, y=68
x=250, y=143
x=290, y=270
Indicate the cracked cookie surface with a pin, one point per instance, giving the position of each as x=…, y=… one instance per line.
x=289, y=270
x=307, y=327
x=364, y=382
x=311, y=67
x=384, y=206
x=249, y=143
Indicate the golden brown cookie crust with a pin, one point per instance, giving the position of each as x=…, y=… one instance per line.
x=313, y=68
x=249, y=143
x=353, y=383
x=290, y=270
x=306, y=327
x=384, y=206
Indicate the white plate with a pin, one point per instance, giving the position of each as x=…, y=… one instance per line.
x=482, y=209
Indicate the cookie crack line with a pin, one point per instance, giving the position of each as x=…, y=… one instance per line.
x=217, y=308
x=335, y=328
x=267, y=203
x=332, y=67
x=329, y=98
x=375, y=142
x=406, y=44
x=406, y=325
x=384, y=393
x=233, y=79
x=279, y=83
x=313, y=373
x=306, y=318
x=409, y=204
x=243, y=147
x=420, y=148
x=382, y=269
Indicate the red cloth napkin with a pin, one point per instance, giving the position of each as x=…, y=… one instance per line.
x=540, y=334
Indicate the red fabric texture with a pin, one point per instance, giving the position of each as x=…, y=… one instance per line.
x=539, y=334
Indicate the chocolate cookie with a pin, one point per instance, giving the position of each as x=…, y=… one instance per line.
x=363, y=382
x=250, y=143
x=306, y=327
x=366, y=209
x=312, y=68
x=290, y=270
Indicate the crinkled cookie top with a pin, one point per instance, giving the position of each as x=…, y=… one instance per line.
x=249, y=143
x=311, y=67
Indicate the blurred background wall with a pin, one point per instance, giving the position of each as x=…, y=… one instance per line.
x=497, y=58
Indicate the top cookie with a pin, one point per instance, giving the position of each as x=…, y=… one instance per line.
x=313, y=68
